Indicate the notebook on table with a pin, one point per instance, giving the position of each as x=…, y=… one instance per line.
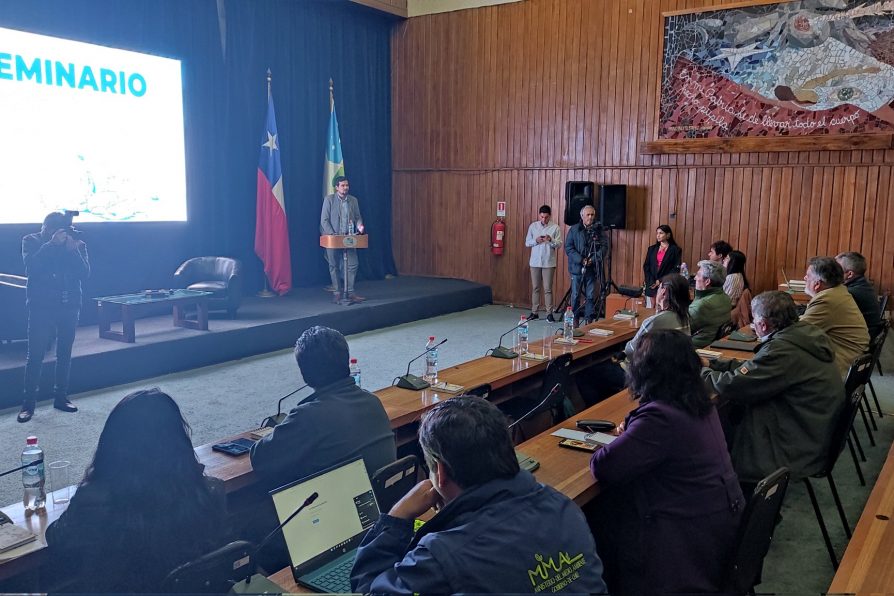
x=322, y=540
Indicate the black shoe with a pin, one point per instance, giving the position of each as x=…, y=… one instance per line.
x=26, y=413
x=551, y=318
x=533, y=316
x=64, y=405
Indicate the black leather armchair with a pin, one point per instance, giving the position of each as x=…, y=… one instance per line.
x=221, y=276
x=13, y=318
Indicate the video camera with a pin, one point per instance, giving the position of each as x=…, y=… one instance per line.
x=69, y=223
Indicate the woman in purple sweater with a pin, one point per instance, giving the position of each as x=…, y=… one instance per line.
x=670, y=502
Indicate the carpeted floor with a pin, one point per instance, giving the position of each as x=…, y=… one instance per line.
x=226, y=398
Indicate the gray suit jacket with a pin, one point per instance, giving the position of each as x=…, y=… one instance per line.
x=330, y=213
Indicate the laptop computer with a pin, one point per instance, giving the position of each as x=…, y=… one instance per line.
x=322, y=540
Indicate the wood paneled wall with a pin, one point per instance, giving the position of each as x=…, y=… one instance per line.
x=510, y=102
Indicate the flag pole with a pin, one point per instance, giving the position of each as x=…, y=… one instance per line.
x=266, y=293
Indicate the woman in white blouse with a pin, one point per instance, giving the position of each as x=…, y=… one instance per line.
x=736, y=282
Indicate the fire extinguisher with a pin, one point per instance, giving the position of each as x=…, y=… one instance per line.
x=497, y=236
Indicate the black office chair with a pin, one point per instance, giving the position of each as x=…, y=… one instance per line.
x=854, y=388
x=756, y=533
x=558, y=372
x=390, y=483
x=875, y=349
x=222, y=276
x=214, y=573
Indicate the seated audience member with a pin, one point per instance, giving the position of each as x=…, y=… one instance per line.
x=789, y=395
x=832, y=309
x=496, y=528
x=143, y=508
x=861, y=289
x=671, y=310
x=736, y=282
x=719, y=251
x=669, y=505
x=662, y=258
x=711, y=309
x=337, y=422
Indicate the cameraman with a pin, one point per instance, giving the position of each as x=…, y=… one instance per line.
x=55, y=263
x=584, y=249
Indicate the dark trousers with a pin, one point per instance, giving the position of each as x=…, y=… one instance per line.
x=43, y=325
x=583, y=288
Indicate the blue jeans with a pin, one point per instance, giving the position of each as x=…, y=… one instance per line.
x=587, y=283
x=43, y=325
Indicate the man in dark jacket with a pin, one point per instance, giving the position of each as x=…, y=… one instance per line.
x=791, y=393
x=862, y=290
x=583, y=246
x=496, y=530
x=338, y=422
x=55, y=262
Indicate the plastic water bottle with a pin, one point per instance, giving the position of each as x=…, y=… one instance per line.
x=684, y=271
x=568, y=324
x=351, y=227
x=522, y=335
x=431, y=362
x=33, y=476
x=355, y=371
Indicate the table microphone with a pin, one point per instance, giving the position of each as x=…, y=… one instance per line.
x=549, y=396
x=271, y=421
x=506, y=353
x=413, y=382
x=313, y=497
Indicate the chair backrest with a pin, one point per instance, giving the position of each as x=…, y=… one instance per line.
x=209, y=269
x=883, y=303
x=741, y=314
x=215, y=572
x=393, y=481
x=756, y=533
x=558, y=372
x=854, y=388
x=877, y=342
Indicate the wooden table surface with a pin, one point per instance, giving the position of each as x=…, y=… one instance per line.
x=866, y=567
x=405, y=407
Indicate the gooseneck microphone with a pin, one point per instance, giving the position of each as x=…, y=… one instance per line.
x=500, y=351
x=33, y=463
x=413, y=382
x=549, y=397
x=271, y=421
x=313, y=497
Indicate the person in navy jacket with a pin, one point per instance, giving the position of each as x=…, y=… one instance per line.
x=496, y=528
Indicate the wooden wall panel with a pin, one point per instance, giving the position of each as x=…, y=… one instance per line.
x=510, y=102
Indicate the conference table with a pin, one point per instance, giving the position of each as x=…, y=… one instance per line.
x=565, y=469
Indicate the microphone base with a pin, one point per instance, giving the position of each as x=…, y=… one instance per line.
x=577, y=333
x=412, y=382
x=505, y=353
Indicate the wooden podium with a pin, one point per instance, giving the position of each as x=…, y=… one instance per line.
x=344, y=242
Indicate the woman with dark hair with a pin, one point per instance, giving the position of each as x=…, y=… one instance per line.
x=143, y=508
x=662, y=258
x=670, y=503
x=736, y=282
x=671, y=310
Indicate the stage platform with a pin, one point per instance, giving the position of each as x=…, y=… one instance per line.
x=262, y=325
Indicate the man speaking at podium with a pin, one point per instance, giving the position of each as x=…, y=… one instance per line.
x=341, y=215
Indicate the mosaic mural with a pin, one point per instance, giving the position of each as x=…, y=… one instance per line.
x=811, y=67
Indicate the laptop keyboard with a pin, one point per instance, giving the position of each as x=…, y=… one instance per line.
x=337, y=579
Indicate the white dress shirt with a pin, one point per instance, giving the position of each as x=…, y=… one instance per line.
x=543, y=254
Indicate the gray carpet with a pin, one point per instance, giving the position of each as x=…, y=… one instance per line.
x=223, y=399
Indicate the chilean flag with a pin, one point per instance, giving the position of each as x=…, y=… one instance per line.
x=271, y=228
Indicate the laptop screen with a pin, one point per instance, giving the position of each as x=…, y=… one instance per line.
x=333, y=524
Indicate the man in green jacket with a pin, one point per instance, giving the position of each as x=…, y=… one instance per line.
x=790, y=393
x=711, y=309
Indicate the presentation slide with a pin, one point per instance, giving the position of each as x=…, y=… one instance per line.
x=89, y=128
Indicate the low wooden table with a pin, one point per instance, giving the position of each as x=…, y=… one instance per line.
x=131, y=305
